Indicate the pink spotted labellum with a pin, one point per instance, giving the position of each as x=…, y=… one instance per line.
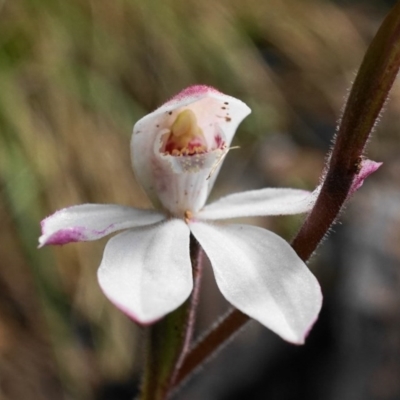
x=146, y=272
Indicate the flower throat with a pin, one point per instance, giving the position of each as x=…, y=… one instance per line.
x=186, y=138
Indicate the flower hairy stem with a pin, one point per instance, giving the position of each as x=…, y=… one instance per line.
x=367, y=97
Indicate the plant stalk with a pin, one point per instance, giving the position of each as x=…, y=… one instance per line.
x=368, y=95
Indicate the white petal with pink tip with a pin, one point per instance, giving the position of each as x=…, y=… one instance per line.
x=261, y=275
x=92, y=221
x=146, y=272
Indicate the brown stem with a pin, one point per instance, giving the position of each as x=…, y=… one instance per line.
x=369, y=92
x=368, y=95
x=230, y=323
x=196, y=255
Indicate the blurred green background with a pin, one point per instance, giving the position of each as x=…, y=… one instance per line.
x=75, y=75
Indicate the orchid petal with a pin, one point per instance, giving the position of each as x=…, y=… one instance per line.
x=92, y=221
x=367, y=167
x=270, y=201
x=146, y=272
x=218, y=116
x=261, y=275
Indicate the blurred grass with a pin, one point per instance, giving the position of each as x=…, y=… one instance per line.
x=74, y=77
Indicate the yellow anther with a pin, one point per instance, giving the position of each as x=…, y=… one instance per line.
x=185, y=124
x=185, y=135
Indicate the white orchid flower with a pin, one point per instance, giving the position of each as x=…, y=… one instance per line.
x=146, y=270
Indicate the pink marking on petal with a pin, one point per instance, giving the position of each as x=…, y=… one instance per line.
x=219, y=142
x=367, y=168
x=193, y=91
x=129, y=313
x=75, y=234
x=309, y=328
x=65, y=236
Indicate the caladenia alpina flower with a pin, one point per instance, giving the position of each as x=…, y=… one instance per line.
x=146, y=271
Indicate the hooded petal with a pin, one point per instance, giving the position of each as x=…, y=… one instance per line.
x=146, y=272
x=270, y=201
x=260, y=274
x=217, y=117
x=92, y=221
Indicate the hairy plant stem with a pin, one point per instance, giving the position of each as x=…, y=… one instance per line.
x=368, y=95
x=197, y=265
x=168, y=341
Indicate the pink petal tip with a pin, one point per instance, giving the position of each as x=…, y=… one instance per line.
x=65, y=236
x=132, y=316
x=367, y=168
x=193, y=91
